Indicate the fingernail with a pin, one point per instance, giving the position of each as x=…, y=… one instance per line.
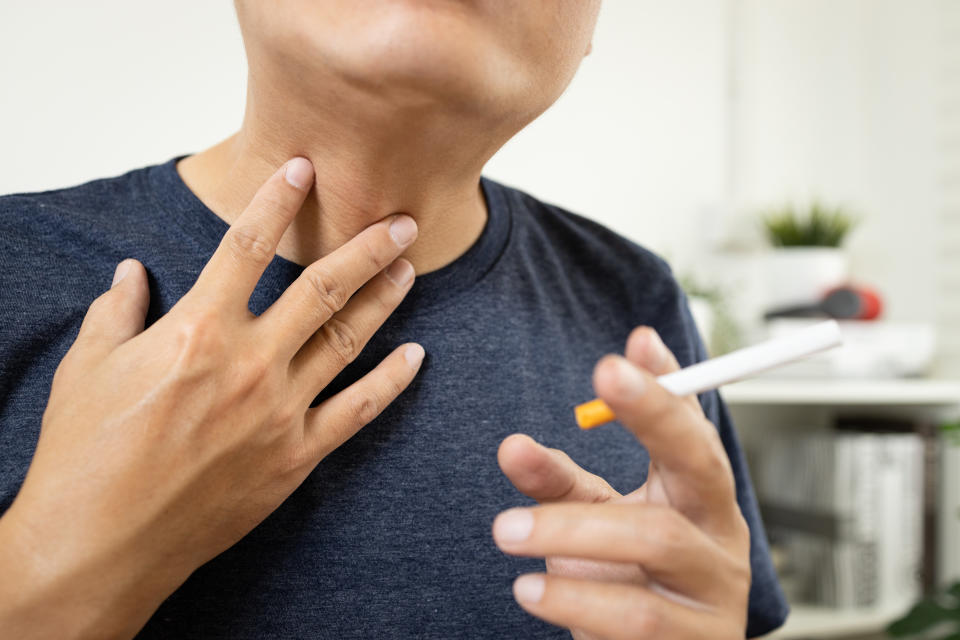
x=403, y=230
x=629, y=382
x=122, y=270
x=414, y=355
x=529, y=588
x=401, y=272
x=299, y=173
x=513, y=526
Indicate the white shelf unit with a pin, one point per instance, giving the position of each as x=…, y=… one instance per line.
x=823, y=622
x=873, y=393
x=761, y=404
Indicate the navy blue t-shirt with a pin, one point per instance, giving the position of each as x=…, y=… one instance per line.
x=390, y=535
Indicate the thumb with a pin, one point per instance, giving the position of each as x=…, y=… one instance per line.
x=119, y=314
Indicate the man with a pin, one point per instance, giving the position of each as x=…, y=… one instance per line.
x=163, y=452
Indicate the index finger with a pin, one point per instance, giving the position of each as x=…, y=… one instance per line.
x=683, y=444
x=251, y=242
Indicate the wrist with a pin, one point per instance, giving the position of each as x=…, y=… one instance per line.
x=62, y=588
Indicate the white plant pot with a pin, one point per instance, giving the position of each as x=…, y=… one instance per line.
x=802, y=275
x=703, y=317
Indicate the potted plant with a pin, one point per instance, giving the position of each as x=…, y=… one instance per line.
x=708, y=306
x=807, y=258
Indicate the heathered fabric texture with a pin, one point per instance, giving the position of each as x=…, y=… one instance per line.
x=390, y=535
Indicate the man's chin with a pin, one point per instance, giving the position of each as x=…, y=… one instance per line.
x=423, y=73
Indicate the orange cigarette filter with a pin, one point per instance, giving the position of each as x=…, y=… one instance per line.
x=593, y=414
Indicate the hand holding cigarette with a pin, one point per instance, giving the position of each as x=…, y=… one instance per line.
x=711, y=374
x=669, y=560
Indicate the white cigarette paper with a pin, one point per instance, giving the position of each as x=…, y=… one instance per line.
x=711, y=374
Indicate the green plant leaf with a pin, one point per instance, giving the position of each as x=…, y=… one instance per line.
x=951, y=430
x=924, y=615
x=954, y=589
x=820, y=226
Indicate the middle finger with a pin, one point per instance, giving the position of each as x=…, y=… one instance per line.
x=671, y=549
x=685, y=447
x=325, y=286
x=645, y=348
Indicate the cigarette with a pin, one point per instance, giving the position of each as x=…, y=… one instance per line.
x=738, y=365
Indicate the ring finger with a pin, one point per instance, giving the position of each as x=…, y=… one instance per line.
x=342, y=337
x=325, y=286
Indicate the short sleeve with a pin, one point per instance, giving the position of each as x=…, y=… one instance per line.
x=768, y=607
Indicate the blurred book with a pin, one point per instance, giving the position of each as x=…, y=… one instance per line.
x=949, y=506
x=847, y=509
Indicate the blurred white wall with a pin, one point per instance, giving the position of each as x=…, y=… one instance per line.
x=855, y=102
x=640, y=139
x=839, y=100
x=92, y=89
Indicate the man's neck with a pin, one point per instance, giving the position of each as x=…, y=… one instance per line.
x=368, y=165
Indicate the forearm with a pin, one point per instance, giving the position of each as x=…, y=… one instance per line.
x=49, y=588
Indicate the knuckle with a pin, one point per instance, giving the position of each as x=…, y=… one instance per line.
x=715, y=456
x=375, y=256
x=198, y=335
x=100, y=303
x=562, y=456
x=582, y=485
x=273, y=199
x=742, y=574
x=728, y=483
x=342, y=340
x=741, y=525
x=739, y=537
x=285, y=414
x=396, y=386
x=248, y=242
x=668, y=533
x=255, y=372
x=365, y=408
x=644, y=621
x=102, y=307
x=732, y=568
x=328, y=290
x=705, y=448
